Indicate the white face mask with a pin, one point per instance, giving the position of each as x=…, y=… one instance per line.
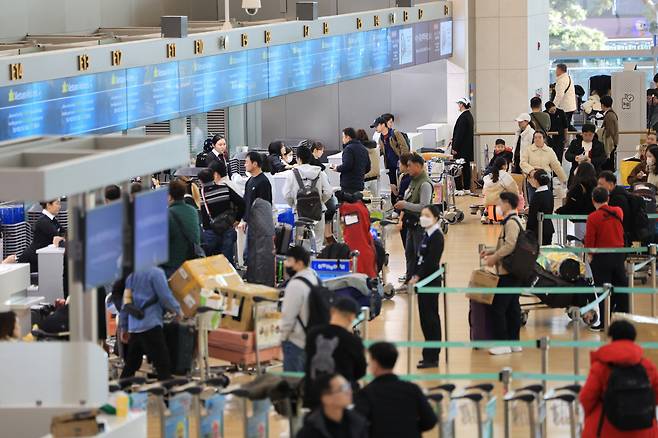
x=650, y=160
x=426, y=222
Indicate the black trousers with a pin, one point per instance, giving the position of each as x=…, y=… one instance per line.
x=506, y=312
x=403, y=235
x=610, y=268
x=414, y=239
x=466, y=177
x=152, y=343
x=430, y=323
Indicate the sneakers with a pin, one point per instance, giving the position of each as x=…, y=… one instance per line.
x=517, y=349
x=484, y=219
x=596, y=328
x=498, y=351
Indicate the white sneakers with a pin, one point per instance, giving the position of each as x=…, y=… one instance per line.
x=499, y=351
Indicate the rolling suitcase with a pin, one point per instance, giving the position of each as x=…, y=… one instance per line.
x=239, y=347
x=180, y=340
x=480, y=321
x=282, y=237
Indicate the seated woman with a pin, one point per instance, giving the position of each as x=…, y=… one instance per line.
x=274, y=163
x=47, y=231
x=579, y=196
x=542, y=202
x=497, y=182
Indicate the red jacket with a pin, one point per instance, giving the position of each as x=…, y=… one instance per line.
x=604, y=230
x=357, y=236
x=618, y=352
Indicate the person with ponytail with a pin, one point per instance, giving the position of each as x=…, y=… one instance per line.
x=497, y=182
x=542, y=202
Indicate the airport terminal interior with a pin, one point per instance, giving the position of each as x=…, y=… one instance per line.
x=328, y=218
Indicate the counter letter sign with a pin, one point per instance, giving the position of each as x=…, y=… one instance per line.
x=171, y=50
x=198, y=47
x=15, y=72
x=116, y=58
x=83, y=62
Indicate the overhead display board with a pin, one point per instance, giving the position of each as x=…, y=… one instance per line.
x=125, y=98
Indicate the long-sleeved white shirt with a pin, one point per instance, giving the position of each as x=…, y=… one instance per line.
x=295, y=304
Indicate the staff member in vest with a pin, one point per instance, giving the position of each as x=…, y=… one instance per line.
x=391, y=145
x=218, y=153
x=462, y=141
x=47, y=231
x=417, y=196
x=429, y=261
x=505, y=309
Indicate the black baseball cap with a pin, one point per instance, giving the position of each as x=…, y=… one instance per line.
x=378, y=121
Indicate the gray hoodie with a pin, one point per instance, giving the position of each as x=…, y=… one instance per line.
x=308, y=173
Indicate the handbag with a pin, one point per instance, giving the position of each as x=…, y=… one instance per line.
x=197, y=251
x=223, y=221
x=482, y=278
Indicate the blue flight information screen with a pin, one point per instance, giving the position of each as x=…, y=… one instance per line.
x=151, y=229
x=120, y=99
x=152, y=93
x=103, y=250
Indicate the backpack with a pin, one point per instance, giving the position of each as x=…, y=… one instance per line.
x=406, y=139
x=628, y=401
x=319, y=301
x=521, y=262
x=637, y=203
x=335, y=251
x=309, y=202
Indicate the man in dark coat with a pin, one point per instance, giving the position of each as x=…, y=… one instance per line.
x=462, y=140
x=585, y=147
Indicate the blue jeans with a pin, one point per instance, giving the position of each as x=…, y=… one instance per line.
x=214, y=244
x=294, y=358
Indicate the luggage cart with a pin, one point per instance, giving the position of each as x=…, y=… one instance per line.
x=569, y=395
x=533, y=397
x=443, y=174
x=480, y=396
x=441, y=396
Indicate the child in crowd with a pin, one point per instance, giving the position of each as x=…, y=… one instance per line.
x=500, y=150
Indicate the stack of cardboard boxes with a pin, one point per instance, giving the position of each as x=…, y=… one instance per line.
x=235, y=340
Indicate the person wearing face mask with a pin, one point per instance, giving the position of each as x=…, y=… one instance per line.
x=295, y=311
x=585, y=148
x=288, y=157
x=429, y=261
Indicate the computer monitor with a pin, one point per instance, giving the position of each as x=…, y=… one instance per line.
x=103, y=244
x=150, y=229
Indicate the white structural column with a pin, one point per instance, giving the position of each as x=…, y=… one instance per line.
x=511, y=63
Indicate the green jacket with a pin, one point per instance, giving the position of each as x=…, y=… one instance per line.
x=180, y=249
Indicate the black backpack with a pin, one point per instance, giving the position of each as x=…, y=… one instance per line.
x=406, y=139
x=320, y=300
x=641, y=230
x=629, y=402
x=309, y=202
x=335, y=251
x=521, y=262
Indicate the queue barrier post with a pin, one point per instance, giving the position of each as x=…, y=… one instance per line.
x=540, y=227
x=365, y=311
x=652, y=253
x=505, y=378
x=630, y=268
x=607, y=287
x=411, y=290
x=543, y=345
x=444, y=281
x=574, y=313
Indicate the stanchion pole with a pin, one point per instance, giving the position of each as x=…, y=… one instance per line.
x=575, y=321
x=540, y=225
x=411, y=291
x=652, y=254
x=445, y=309
x=506, y=380
x=366, y=317
x=630, y=267
x=543, y=344
x=606, y=305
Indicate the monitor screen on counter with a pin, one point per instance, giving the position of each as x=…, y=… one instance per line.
x=150, y=229
x=103, y=245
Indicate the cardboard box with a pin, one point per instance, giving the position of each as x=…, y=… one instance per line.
x=482, y=278
x=647, y=331
x=238, y=313
x=210, y=274
x=75, y=425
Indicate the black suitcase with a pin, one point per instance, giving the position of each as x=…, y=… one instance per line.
x=282, y=237
x=180, y=342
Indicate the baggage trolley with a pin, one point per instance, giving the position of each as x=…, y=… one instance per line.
x=481, y=397
x=533, y=397
x=446, y=418
x=569, y=395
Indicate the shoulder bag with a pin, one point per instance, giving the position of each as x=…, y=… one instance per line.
x=223, y=221
x=197, y=251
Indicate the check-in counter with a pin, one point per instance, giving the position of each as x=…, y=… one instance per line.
x=51, y=273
